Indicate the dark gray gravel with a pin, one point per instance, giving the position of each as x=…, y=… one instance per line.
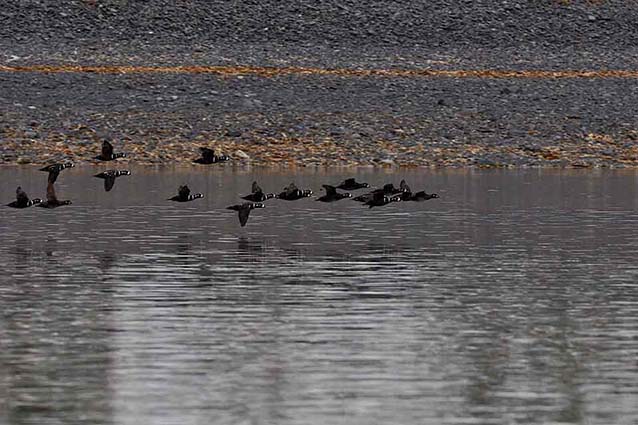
x=376, y=120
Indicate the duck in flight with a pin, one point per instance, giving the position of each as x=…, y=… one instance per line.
x=244, y=210
x=184, y=195
x=22, y=200
x=52, y=200
x=107, y=153
x=54, y=170
x=332, y=194
x=379, y=200
x=258, y=195
x=292, y=193
x=351, y=184
x=386, y=190
x=209, y=157
x=109, y=177
x=407, y=195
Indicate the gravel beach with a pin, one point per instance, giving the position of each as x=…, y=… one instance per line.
x=329, y=113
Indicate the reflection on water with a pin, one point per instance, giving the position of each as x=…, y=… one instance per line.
x=512, y=299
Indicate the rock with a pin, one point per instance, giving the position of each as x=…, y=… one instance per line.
x=233, y=133
x=239, y=154
x=23, y=160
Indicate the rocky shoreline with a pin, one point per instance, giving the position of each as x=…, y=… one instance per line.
x=322, y=119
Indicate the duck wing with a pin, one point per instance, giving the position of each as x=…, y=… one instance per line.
x=330, y=190
x=256, y=188
x=207, y=154
x=53, y=175
x=21, y=197
x=109, y=181
x=244, y=212
x=290, y=189
x=183, y=192
x=404, y=187
x=107, y=149
x=51, y=193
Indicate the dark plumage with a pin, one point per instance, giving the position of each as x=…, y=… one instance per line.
x=52, y=200
x=109, y=177
x=258, y=194
x=54, y=170
x=405, y=193
x=107, y=153
x=332, y=194
x=351, y=184
x=379, y=199
x=387, y=190
x=22, y=200
x=209, y=157
x=244, y=210
x=292, y=193
x=184, y=195
x=422, y=196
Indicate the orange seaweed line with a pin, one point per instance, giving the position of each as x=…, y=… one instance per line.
x=273, y=71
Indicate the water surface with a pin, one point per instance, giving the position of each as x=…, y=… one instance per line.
x=512, y=299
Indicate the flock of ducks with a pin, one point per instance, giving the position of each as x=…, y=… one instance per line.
x=375, y=198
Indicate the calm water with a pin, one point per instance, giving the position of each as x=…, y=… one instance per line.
x=510, y=300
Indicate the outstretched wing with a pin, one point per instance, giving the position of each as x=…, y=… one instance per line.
x=256, y=188
x=51, y=193
x=244, y=212
x=53, y=175
x=109, y=181
x=404, y=186
x=291, y=188
x=184, y=191
x=107, y=149
x=330, y=190
x=21, y=196
x=207, y=154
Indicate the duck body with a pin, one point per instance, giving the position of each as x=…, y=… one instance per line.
x=293, y=193
x=380, y=200
x=386, y=190
x=184, y=195
x=109, y=177
x=54, y=170
x=422, y=196
x=351, y=184
x=244, y=210
x=22, y=200
x=332, y=195
x=107, y=153
x=210, y=157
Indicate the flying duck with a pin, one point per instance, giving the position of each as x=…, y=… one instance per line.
x=258, y=195
x=209, y=157
x=405, y=193
x=109, y=177
x=22, y=200
x=351, y=184
x=184, y=195
x=386, y=190
x=379, y=200
x=332, y=194
x=422, y=196
x=54, y=170
x=244, y=210
x=107, y=153
x=292, y=193
x=52, y=200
